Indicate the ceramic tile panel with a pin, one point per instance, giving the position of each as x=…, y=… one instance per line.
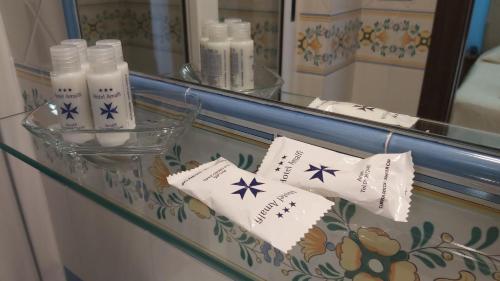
x=401, y=5
x=250, y=5
x=347, y=243
x=151, y=32
x=265, y=28
x=327, y=7
x=395, y=37
x=326, y=43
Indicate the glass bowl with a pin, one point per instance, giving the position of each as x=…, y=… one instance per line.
x=160, y=120
x=267, y=82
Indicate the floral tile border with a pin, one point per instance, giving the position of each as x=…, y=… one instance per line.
x=265, y=26
x=348, y=243
x=326, y=44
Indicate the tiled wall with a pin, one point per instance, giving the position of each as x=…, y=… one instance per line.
x=152, y=33
x=382, y=45
x=264, y=17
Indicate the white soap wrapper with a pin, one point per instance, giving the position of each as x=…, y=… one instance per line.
x=273, y=211
x=365, y=112
x=381, y=183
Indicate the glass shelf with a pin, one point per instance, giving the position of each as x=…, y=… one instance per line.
x=430, y=245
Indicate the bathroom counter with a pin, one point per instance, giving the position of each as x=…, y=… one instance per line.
x=346, y=243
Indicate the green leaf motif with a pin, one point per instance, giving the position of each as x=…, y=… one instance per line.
x=425, y=261
x=475, y=236
x=349, y=213
x=435, y=258
x=335, y=227
x=428, y=232
x=481, y=264
x=416, y=235
x=491, y=237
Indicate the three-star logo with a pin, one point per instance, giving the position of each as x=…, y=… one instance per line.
x=364, y=107
x=109, y=110
x=319, y=172
x=69, y=111
x=253, y=190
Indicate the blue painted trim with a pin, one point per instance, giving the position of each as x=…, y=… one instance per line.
x=472, y=192
x=71, y=19
x=70, y=276
x=355, y=136
x=449, y=159
x=237, y=127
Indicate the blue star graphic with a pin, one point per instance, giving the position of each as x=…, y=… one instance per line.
x=246, y=187
x=69, y=111
x=319, y=173
x=109, y=110
x=364, y=107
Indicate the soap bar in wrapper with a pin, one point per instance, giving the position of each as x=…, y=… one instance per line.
x=364, y=112
x=381, y=183
x=273, y=211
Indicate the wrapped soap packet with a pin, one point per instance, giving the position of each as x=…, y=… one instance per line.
x=275, y=212
x=381, y=183
x=365, y=112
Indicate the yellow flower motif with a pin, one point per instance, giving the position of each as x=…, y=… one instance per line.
x=377, y=241
x=446, y=237
x=191, y=165
x=406, y=39
x=160, y=173
x=315, y=44
x=464, y=276
x=365, y=277
x=349, y=254
x=314, y=243
x=382, y=37
x=496, y=275
x=371, y=254
x=201, y=210
x=403, y=270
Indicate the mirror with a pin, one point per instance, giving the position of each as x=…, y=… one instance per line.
x=424, y=65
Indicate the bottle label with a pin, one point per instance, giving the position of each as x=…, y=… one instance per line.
x=73, y=106
x=217, y=71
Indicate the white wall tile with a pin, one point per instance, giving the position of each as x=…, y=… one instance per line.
x=419, y=5
x=172, y=264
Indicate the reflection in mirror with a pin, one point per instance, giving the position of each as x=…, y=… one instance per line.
x=477, y=99
x=394, y=63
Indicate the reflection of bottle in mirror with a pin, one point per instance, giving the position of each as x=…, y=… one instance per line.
x=242, y=57
x=229, y=22
x=107, y=95
x=123, y=68
x=81, y=44
x=203, y=48
x=217, y=53
x=70, y=92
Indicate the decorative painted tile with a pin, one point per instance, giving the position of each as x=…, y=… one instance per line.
x=396, y=38
x=327, y=43
x=348, y=243
x=155, y=28
x=264, y=33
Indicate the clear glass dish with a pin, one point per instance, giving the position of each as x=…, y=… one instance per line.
x=160, y=120
x=267, y=82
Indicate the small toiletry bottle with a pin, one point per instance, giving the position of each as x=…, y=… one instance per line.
x=70, y=91
x=218, y=60
x=81, y=44
x=242, y=57
x=229, y=22
x=203, y=48
x=123, y=67
x=107, y=95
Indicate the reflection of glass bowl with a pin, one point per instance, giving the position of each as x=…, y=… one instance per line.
x=267, y=82
x=157, y=128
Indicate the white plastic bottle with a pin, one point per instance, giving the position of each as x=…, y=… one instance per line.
x=81, y=44
x=107, y=95
x=242, y=57
x=123, y=67
x=229, y=22
x=203, y=48
x=70, y=91
x=218, y=60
